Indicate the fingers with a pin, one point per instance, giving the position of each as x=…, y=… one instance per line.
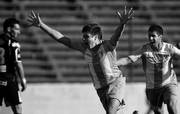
x=130, y=13
x=119, y=14
x=125, y=12
x=33, y=14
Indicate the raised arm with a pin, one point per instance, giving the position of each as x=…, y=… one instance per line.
x=36, y=21
x=124, y=17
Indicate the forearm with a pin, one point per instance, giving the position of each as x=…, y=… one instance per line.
x=117, y=34
x=123, y=61
x=52, y=32
x=20, y=71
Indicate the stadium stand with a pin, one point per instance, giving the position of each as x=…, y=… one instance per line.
x=48, y=61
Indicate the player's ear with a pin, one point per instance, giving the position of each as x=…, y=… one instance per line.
x=161, y=36
x=8, y=29
x=96, y=36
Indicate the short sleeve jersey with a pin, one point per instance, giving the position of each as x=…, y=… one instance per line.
x=157, y=65
x=9, y=54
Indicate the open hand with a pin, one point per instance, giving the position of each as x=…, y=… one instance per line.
x=34, y=19
x=125, y=16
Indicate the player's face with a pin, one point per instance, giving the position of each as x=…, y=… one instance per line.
x=15, y=31
x=154, y=38
x=90, y=39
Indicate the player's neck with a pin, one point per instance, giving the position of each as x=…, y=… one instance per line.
x=157, y=46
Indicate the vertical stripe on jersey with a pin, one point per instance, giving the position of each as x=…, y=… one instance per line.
x=158, y=77
x=94, y=76
x=97, y=65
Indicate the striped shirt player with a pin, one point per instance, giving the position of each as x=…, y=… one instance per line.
x=157, y=65
x=100, y=56
x=157, y=62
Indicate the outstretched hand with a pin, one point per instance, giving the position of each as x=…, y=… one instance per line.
x=125, y=16
x=34, y=19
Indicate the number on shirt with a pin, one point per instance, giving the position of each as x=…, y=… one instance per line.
x=2, y=53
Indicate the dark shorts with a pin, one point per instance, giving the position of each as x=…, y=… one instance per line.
x=165, y=94
x=114, y=90
x=9, y=91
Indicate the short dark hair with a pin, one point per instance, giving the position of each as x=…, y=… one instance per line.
x=9, y=22
x=93, y=28
x=157, y=28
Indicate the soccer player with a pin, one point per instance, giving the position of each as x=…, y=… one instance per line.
x=11, y=68
x=100, y=55
x=161, y=80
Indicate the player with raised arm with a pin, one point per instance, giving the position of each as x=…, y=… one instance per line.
x=161, y=80
x=100, y=55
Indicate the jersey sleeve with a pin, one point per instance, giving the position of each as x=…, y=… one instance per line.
x=75, y=44
x=174, y=50
x=136, y=54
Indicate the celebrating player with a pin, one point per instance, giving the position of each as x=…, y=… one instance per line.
x=100, y=55
x=161, y=81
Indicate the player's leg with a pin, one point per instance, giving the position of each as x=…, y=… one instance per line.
x=113, y=106
x=17, y=109
x=13, y=98
x=116, y=94
x=171, y=99
x=155, y=98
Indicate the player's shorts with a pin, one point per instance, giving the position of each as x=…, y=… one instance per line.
x=9, y=91
x=114, y=90
x=158, y=96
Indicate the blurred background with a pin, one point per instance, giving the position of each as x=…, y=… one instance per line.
x=46, y=62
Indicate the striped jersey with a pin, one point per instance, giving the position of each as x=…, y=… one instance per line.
x=101, y=60
x=102, y=64
x=157, y=65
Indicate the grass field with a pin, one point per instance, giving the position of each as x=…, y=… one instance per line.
x=75, y=99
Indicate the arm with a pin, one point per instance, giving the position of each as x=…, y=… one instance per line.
x=123, y=61
x=131, y=58
x=36, y=21
x=20, y=71
x=124, y=18
x=176, y=50
x=127, y=60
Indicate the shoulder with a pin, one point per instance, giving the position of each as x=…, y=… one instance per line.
x=168, y=46
x=16, y=44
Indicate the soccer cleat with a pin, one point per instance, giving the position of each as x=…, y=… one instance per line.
x=122, y=105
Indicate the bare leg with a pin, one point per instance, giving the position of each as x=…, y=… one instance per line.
x=113, y=106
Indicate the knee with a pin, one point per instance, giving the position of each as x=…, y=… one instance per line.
x=172, y=106
x=158, y=110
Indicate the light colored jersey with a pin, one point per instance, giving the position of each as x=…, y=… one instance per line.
x=157, y=65
x=101, y=62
